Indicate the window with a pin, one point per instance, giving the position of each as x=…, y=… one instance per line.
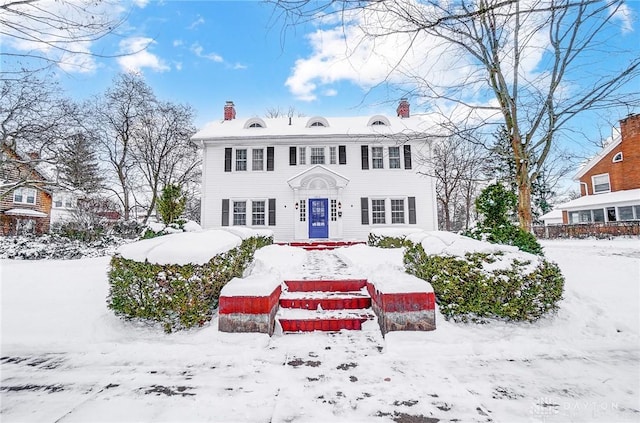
x=303, y=210
x=376, y=158
x=255, y=125
x=317, y=155
x=241, y=159
x=601, y=183
x=574, y=217
x=378, y=123
x=394, y=157
x=598, y=215
x=302, y=155
x=585, y=216
x=377, y=212
x=334, y=210
x=617, y=158
x=397, y=211
x=24, y=195
x=58, y=203
x=317, y=124
x=257, y=213
x=636, y=210
x=239, y=213
x=625, y=213
x=333, y=156
x=257, y=159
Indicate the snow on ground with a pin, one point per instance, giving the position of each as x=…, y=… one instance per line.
x=66, y=358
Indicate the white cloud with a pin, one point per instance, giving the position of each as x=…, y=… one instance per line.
x=198, y=50
x=178, y=66
x=137, y=55
x=624, y=14
x=330, y=92
x=239, y=66
x=196, y=23
x=141, y=3
x=177, y=43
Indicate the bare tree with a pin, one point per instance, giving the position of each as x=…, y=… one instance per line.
x=118, y=117
x=492, y=45
x=38, y=34
x=163, y=151
x=457, y=165
x=276, y=112
x=34, y=121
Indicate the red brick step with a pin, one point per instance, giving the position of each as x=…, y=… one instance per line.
x=334, y=285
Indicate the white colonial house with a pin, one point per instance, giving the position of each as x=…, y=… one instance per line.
x=317, y=178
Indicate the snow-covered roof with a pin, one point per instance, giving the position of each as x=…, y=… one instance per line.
x=553, y=214
x=614, y=143
x=610, y=198
x=25, y=212
x=302, y=126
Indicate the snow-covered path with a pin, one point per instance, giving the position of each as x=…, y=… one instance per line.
x=66, y=358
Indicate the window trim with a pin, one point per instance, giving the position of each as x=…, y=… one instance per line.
x=404, y=211
x=618, y=157
x=373, y=158
x=24, y=196
x=233, y=212
x=246, y=159
x=379, y=213
x=302, y=155
x=317, y=122
x=396, y=159
x=311, y=156
x=255, y=214
x=253, y=160
x=593, y=183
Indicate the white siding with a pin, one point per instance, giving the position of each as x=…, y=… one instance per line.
x=261, y=185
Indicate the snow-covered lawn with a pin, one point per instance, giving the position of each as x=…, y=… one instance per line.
x=66, y=358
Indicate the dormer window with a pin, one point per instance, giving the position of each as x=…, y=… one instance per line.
x=317, y=122
x=255, y=123
x=617, y=158
x=379, y=120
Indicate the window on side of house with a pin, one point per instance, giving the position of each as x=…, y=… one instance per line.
x=397, y=211
x=257, y=213
x=394, y=157
x=625, y=213
x=241, y=159
x=25, y=196
x=598, y=215
x=303, y=210
x=302, y=155
x=333, y=155
x=257, y=159
x=317, y=155
x=239, y=213
x=601, y=183
x=636, y=211
x=377, y=160
x=585, y=216
x=377, y=212
x=334, y=210
x=617, y=158
x=57, y=203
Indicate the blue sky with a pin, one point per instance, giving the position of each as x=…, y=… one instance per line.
x=206, y=52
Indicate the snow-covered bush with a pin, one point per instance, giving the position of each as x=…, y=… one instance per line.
x=475, y=280
x=56, y=247
x=176, y=279
x=155, y=229
x=390, y=237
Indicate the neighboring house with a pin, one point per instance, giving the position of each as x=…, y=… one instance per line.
x=24, y=208
x=554, y=217
x=316, y=178
x=64, y=205
x=610, y=182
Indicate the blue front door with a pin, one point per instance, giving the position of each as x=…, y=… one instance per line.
x=318, y=218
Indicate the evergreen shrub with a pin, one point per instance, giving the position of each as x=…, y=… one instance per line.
x=466, y=291
x=383, y=241
x=177, y=296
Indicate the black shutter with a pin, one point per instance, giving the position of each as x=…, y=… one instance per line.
x=272, y=211
x=292, y=156
x=269, y=159
x=364, y=210
x=227, y=159
x=407, y=157
x=225, y=212
x=412, y=210
x=342, y=154
x=365, y=156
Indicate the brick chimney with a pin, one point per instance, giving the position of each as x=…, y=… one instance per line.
x=630, y=127
x=229, y=111
x=403, y=108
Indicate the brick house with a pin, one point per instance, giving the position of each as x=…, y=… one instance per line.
x=24, y=208
x=317, y=178
x=610, y=182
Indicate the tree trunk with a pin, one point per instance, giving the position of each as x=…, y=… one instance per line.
x=524, y=196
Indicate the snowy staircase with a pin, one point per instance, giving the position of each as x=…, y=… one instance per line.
x=324, y=305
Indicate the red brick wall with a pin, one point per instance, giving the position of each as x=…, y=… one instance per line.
x=625, y=174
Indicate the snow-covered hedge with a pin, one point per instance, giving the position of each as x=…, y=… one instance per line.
x=390, y=237
x=176, y=279
x=474, y=279
x=56, y=247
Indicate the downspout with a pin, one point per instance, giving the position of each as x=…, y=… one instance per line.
x=586, y=188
